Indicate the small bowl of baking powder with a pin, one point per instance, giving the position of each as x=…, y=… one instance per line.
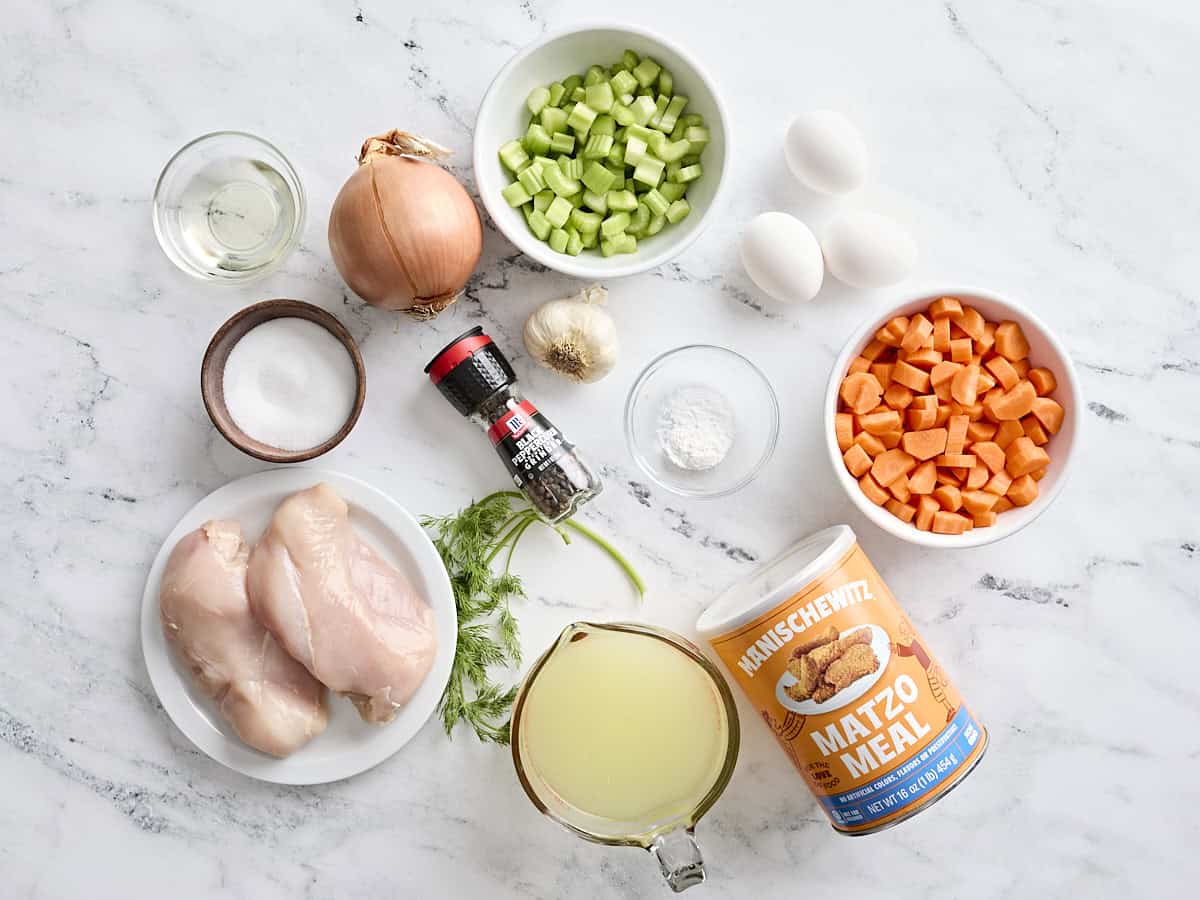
x=701, y=420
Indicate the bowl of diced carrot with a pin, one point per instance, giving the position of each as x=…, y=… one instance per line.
x=951, y=421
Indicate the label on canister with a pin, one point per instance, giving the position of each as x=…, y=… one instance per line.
x=854, y=695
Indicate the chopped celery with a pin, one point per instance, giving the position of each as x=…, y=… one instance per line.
x=618, y=174
x=598, y=179
x=556, y=93
x=558, y=240
x=678, y=211
x=621, y=243
x=599, y=97
x=571, y=82
x=660, y=107
x=614, y=224
x=671, y=114
x=558, y=212
x=596, y=202
x=558, y=182
x=697, y=137
x=646, y=71
x=604, y=125
x=536, y=139
x=574, y=244
x=539, y=224
x=578, y=94
x=586, y=222
x=598, y=146
x=672, y=191
x=621, y=201
x=523, y=166
x=689, y=173
x=640, y=132
x=543, y=199
x=616, y=156
x=581, y=118
x=649, y=171
x=623, y=114
x=643, y=109
x=544, y=162
x=594, y=75
x=590, y=239
x=641, y=218
x=516, y=194
x=560, y=142
x=656, y=225
x=512, y=155
x=572, y=168
x=537, y=98
x=666, y=84
x=629, y=59
x=656, y=202
x=623, y=83
x=673, y=170
x=625, y=99
x=690, y=160
x=635, y=149
x=553, y=119
x=576, y=200
x=532, y=180
x=615, y=68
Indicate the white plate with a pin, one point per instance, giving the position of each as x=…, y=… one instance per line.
x=851, y=692
x=349, y=745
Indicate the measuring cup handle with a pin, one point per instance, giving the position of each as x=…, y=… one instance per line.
x=678, y=858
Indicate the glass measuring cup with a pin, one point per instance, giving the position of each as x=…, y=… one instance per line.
x=626, y=735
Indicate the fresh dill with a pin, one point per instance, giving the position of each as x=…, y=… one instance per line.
x=469, y=543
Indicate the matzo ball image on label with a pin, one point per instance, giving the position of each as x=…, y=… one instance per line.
x=853, y=694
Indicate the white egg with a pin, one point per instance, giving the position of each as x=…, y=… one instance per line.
x=826, y=152
x=781, y=255
x=867, y=250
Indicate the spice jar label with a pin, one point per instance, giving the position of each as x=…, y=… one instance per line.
x=527, y=442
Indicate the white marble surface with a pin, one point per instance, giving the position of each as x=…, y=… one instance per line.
x=1042, y=147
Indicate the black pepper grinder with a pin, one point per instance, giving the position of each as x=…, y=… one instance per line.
x=474, y=376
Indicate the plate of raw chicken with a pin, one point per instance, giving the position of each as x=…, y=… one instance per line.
x=298, y=626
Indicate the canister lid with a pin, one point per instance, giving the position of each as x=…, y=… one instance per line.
x=470, y=369
x=776, y=581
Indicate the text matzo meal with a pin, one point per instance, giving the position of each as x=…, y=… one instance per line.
x=855, y=697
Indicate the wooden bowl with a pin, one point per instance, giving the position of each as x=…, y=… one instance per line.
x=212, y=371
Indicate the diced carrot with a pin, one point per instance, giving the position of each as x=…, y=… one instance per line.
x=947, y=476
x=1022, y=491
x=998, y=483
x=874, y=349
x=1006, y=433
x=978, y=501
x=871, y=488
x=1011, y=342
x=901, y=511
x=970, y=525
x=910, y=376
x=881, y=407
x=949, y=523
x=891, y=439
x=957, y=460
x=843, y=428
x=856, y=460
x=882, y=373
x=973, y=411
x=958, y=472
x=1043, y=380
x=924, y=401
x=943, y=414
x=948, y=497
x=991, y=454
x=900, y=490
x=925, y=358
x=941, y=335
x=943, y=307
x=926, y=506
x=1034, y=430
x=1003, y=505
x=987, y=340
x=919, y=419
x=879, y=422
x=971, y=321
x=1012, y=404
x=1024, y=456
x=925, y=444
x=1004, y=372
x=885, y=337
x=977, y=477
x=870, y=443
x=890, y=465
x=964, y=387
x=984, y=519
x=861, y=391
x=920, y=330
x=980, y=431
x=957, y=437
x=943, y=372
x=923, y=478
x=986, y=381
x=1038, y=474
x=960, y=350
x=1049, y=412
x=1022, y=367
x=897, y=396
x=859, y=364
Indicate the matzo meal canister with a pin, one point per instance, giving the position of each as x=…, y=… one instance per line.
x=855, y=697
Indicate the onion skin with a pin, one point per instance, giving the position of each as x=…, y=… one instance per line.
x=403, y=232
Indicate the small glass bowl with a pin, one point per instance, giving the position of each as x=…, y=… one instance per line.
x=228, y=207
x=749, y=396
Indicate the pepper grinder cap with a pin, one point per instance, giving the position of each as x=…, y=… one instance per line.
x=470, y=369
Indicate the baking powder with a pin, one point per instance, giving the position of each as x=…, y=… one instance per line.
x=696, y=428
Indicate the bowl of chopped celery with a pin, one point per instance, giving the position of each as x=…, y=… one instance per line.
x=600, y=150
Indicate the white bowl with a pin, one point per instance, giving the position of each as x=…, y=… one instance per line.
x=1044, y=350
x=503, y=117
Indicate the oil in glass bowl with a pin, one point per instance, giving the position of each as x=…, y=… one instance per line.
x=228, y=207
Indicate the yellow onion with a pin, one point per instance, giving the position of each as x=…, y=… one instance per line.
x=403, y=232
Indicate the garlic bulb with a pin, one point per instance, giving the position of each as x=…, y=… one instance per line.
x=574, y=336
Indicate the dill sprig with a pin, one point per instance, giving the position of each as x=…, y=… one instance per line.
x=469, y=543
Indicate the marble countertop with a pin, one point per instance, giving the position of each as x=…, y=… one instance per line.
x=1043, y=148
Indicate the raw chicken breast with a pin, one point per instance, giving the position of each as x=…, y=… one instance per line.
x=271, y=701
x=354, y=621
